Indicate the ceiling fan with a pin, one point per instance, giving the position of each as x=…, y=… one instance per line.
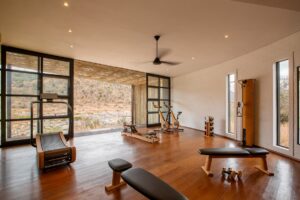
x=157, y=60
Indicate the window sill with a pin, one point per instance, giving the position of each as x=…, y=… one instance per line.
x=281, y=148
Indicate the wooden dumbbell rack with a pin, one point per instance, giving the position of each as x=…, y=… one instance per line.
x=209, y=126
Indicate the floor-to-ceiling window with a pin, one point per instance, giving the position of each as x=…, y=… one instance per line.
x=230, y=103
x=158, y=94
x=25, y=75
x=282, y=103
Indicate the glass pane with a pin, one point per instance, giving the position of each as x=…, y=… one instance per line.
x=164, y=106
x=164, y=93
x=166, y=116
x=231, y=103
x=19, y=107
x=56, y=125
x=55, y=109
x=19, y=129
x=55, y=85
x=152, y=93
x=101, y=105
x=57, y=67
x=0, y=93
x=153, y=81
x=21, y=83
x=22, y=62
x=153, y=118
x=231, y=120
x=231, y=78
x=283, y=103
x=164, y=82
x=151, y=107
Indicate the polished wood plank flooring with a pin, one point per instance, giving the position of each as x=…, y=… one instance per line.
x=175, y=160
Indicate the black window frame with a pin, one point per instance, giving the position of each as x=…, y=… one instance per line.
x=40, y=75
x=156, y=99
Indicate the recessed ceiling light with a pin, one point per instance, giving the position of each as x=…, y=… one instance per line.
x=72, y=46
x=70, y=30
x=226, y=36
x=193, y=58
x=66, y=4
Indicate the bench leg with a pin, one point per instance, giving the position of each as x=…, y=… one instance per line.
x=264, y=166
x=117, y=182
x=206, y=167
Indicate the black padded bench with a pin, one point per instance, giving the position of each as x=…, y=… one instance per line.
x=144, y=182
x=150, y=186
x=235, y=153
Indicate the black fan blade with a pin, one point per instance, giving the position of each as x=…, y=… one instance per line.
x=141, y=63
x=170, y=63
x=163, y=52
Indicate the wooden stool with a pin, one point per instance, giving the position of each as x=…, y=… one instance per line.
x=118, y=166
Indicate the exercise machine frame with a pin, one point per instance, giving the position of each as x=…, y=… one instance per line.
x=165, y=124
x=147, y=137
x=62, y=158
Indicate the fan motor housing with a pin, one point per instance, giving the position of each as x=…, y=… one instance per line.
x=156, y=61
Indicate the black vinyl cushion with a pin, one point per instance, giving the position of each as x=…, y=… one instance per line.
x=150, y=186
x=53, y=145
x=224, y=151
x=257, y=151
x=119, y=165
x=233, y=151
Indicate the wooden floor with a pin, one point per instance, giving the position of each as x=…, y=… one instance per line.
x=175, y=160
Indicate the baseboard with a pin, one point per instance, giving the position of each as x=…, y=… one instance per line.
x=226, y=137
x=216, y=134
x=280, y=154
x=95, y=132
x=192, y=128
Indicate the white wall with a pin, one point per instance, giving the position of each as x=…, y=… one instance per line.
x=203, y=92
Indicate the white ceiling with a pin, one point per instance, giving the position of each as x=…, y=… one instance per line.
x=120, y=32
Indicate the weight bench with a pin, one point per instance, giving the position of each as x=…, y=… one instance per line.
x=235, y=153
x=118, y=166
x=150, y=186
x=142, y=181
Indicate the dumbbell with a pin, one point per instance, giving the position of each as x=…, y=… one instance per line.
x=231, y=173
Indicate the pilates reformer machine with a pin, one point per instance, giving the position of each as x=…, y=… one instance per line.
x=131, y=131
x=52, y=148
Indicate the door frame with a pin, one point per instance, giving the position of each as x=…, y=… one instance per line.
x=158, y=99
x=296, y=135
x=41, y=56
